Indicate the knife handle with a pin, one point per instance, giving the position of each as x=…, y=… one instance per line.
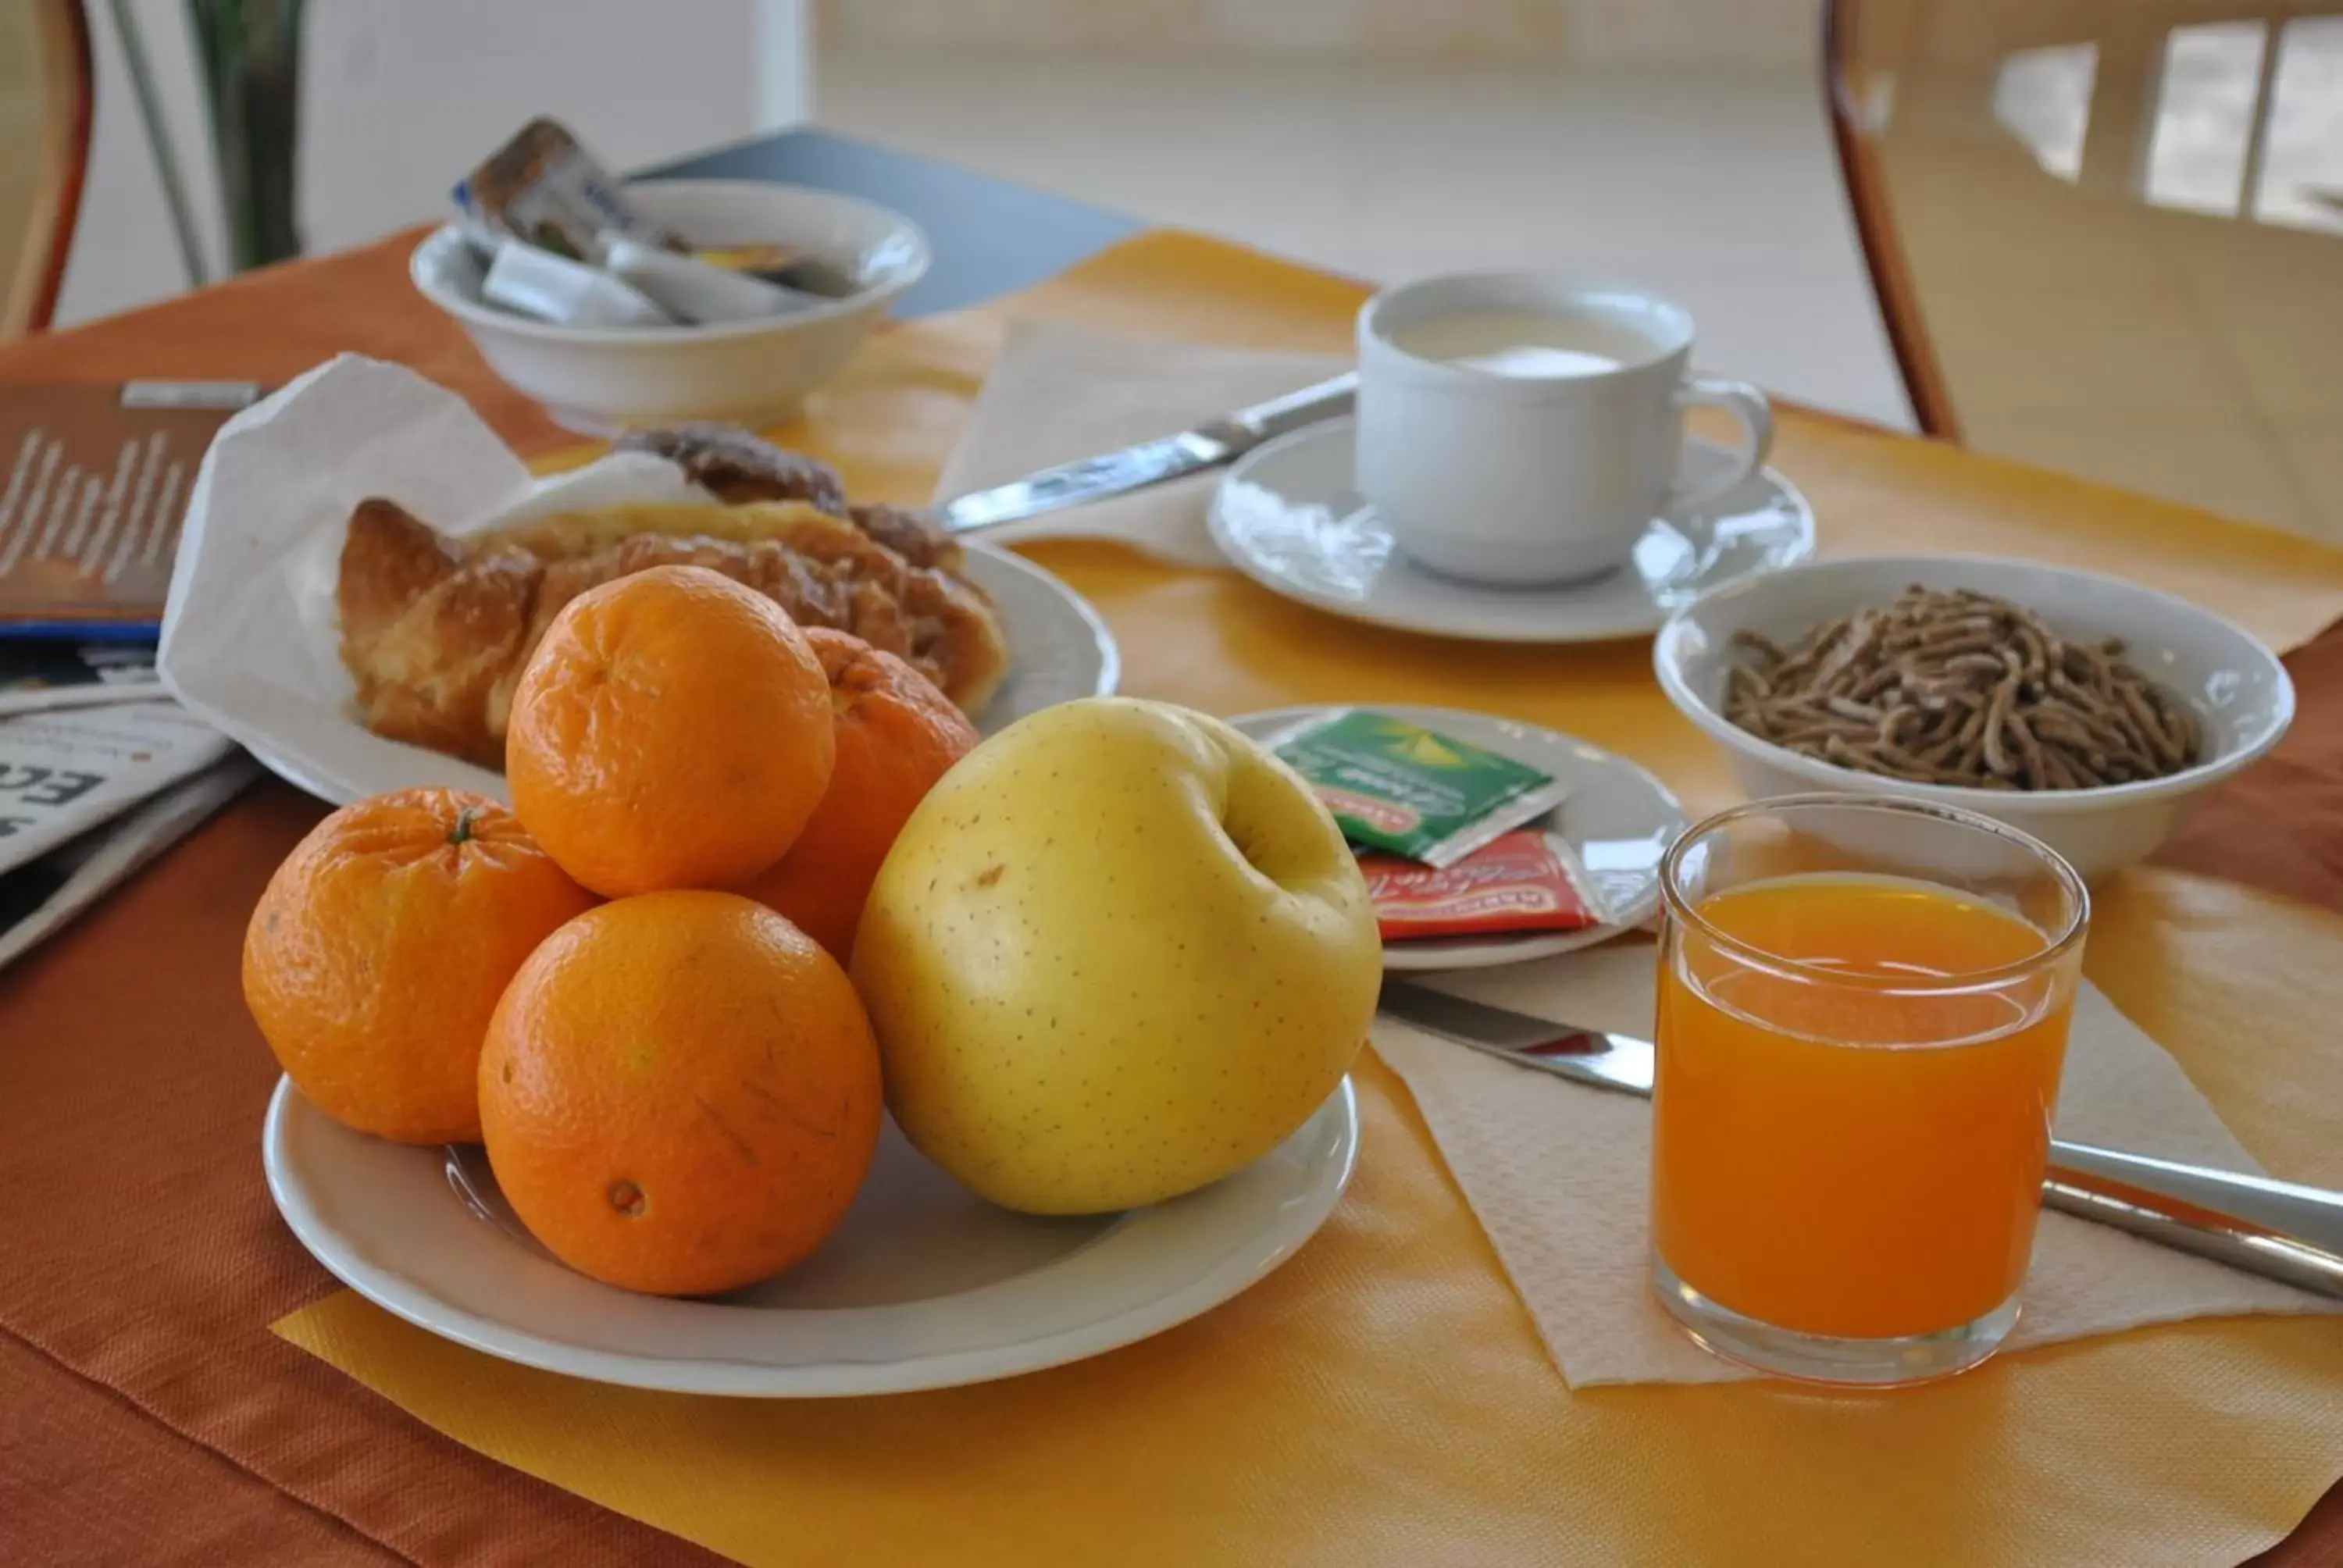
x=1249, y=428
x=2287, y=1232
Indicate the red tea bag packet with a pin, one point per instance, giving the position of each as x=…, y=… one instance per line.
x=1518, y=881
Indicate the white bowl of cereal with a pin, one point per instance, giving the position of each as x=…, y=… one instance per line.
x=2089, y=712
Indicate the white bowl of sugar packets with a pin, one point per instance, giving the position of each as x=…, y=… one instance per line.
x=2096, y=722
x=603, y=380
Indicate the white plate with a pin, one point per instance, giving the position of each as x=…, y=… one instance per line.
x=1287, y=517
x=1617, y=819
x=1059, y=650
x=923, y=1286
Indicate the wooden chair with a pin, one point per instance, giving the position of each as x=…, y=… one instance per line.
x=1852, y=43
x=47, y=96
x=2097, y=232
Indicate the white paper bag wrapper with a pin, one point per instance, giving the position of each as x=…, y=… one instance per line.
x=250, y=639
x=1559, y=1175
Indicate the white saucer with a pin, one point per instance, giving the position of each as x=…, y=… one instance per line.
x=1059, y=650
x=924, y=1285
x=1287, y=517
x=1617, y=819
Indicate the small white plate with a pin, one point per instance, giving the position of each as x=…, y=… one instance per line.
x=924, y=1285
x=1617, y=819
x=1287, y=517
x=1059, y=650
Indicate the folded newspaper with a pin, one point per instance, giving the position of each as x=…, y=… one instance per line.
x=89, y=795
x=38, y=898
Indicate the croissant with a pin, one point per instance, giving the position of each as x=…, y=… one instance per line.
x=436, y=630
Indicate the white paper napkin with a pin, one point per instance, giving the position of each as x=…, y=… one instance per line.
x=1559, y=1176
x=1056, y=393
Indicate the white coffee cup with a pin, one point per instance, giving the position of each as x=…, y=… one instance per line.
x=1514, y=429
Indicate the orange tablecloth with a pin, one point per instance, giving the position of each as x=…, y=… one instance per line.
x=1383, y=1397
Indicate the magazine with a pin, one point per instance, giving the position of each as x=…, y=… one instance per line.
x=35, y=676
x=94, y=482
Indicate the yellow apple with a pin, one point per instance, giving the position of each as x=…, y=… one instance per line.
x=1119, y=951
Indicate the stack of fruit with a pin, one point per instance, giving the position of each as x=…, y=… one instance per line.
x=1106, y=958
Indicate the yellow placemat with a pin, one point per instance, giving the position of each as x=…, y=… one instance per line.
x=1382, y=1398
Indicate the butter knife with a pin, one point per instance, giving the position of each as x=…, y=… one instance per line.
x=2279, y=1230
x=1208, y=446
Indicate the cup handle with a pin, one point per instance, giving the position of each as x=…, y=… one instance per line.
x=1750, y=410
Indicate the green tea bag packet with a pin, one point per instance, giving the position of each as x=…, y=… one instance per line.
x=1397, y=786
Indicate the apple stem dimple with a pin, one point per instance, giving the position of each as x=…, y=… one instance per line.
x=1243, y=848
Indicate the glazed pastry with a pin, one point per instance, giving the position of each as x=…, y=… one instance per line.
x=436, y=630
x=737, y=465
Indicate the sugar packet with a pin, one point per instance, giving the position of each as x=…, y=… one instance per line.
x=542, y=186
x=1524, y=880
x=1396, y=786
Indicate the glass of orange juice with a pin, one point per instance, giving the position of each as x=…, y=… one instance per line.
x=1863, y=1012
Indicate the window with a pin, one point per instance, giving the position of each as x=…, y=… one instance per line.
x=2043, y=98
x=2301, y=182
x=2206, y=110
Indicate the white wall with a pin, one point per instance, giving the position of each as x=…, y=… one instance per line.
x=1527, y=33
x=401, y=97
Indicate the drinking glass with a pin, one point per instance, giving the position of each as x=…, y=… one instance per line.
x=1863, y=1012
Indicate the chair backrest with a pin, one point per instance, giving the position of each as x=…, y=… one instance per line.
x=46, y=96
x=1858, y=94
x=2107, y=235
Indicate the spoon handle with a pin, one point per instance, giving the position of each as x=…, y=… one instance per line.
x=2285, y=1232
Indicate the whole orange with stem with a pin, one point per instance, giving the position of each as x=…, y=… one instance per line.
x=680, y=1093
x=380, y=947
x=897, y=735
x=671, y=730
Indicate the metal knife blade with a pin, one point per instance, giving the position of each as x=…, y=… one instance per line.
x=2281, y=1229
x=1619, y=1062
x=1208, y=446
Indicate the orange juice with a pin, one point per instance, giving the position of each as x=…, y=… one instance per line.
x=1837, y=1147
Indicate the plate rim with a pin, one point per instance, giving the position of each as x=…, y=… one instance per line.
x=1289, y=1226
x=1530, y=946
x=1355, y=610
x=1109, y=651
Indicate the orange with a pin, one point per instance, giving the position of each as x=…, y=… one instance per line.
x=680, y=1093
x=671, y=730
x=896, y=734
x=378, y=952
